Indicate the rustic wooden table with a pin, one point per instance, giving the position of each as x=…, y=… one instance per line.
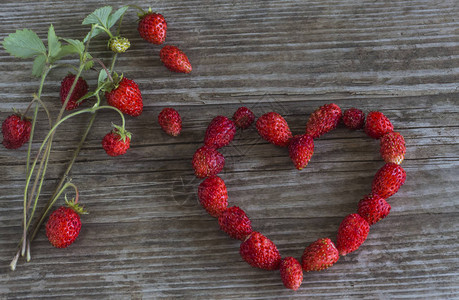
x=147, y=236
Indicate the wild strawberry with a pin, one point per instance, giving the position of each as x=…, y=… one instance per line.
x=16, y=131
x=117, y=141
x=81, y=89
x=377, y=125
x=119, y=44
x=393, y=148
x=170, y=121
x=323, y=120
x=220, y=132
x=235, y=223
x=388, y=180
x=174, y=59
x=320, y=255
x=273, y=128
x=260, y=252
x=64, y=225
x=373, y=208
x=207, y=161
x=291, y=273
x=300, y=149
x=354, y=118
x=126, y=97
x=213, y=195
x=152, y=27
x=243, y=117
x=352, y=232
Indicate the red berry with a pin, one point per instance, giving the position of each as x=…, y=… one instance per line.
x=175, y=60
x=273, y=128
x=354, y=118
x=320, y=255
x=300, y=149
x=388, y=180
x=235, y=223
x=63, y=227
x=220, y=132
x=213, y=195
x=170, y=121
x=152, y=28
x=16, y=131
x=243, y=117
x=207, y=161
x=126, y=97
x=323, y=120
x=291, y=273
x=81, y=89
x=393, y=147
x=373, y=208
x=352, y=232
x=260, y=252
x=116, y=142
x=377, y=125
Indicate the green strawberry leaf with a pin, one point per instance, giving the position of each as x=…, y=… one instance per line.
x=39, y=65
x=99, y=16
x=113, y=18
x=102, y=77
x=24, y=44
x=77, y=44
x=54, y=46
x=95, y=32
x=89, y=62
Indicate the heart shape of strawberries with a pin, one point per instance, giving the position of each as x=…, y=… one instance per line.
x=256, y=249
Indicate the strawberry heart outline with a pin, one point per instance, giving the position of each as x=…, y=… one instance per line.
x=258, y=250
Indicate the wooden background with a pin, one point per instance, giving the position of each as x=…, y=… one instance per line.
x=147, y=236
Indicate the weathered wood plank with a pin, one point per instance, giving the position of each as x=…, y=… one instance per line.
x=147, y=236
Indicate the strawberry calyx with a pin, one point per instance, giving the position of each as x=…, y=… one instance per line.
x=113, y=85
x=143, y=13
x=79, y=209
x=122, y=132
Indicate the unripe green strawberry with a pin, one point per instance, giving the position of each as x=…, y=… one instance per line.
x=119, y=44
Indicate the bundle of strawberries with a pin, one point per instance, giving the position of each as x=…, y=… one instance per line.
x=258, y=250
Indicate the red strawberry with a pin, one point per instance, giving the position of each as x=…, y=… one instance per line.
x=354, y=118
x=373, y=208
x=300, y=149
x=320, y=255
x=170, y=121
x=64, y=224
x=388, y=180
x=220, y=132
x=273, y=128
x=377, y=125
x=81, y=89
x=207, y=161
x=174, y=59
x=393, y=147
x=243, y=117
x=235, y=223
x=152, y=27
x=16, y=131
x=117, y=141
x=126, y=97
x=352, y=232
x=323, y=120
x=260, y=252
x=291, y=273
x=213, y=195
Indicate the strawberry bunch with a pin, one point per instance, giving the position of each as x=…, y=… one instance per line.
x=122, y=94
x=258, y=250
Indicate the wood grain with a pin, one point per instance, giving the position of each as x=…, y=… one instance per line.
x=147, y=236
